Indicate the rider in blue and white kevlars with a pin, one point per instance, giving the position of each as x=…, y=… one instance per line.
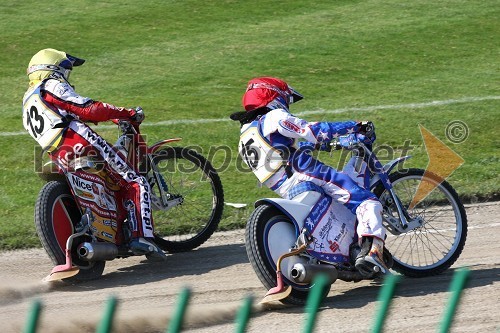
x=269, y=145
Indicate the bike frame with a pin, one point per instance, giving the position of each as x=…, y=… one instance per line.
x=142, y=152
x=297, y=211
x=137, y=152
x=381, y=174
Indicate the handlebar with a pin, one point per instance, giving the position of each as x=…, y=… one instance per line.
x=335, y=145
x=138, y=117
x=127, y=124
x=348, y=141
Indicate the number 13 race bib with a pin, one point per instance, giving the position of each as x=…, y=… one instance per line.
x=39, y=120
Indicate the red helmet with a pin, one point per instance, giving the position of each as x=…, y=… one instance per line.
x=271, y=92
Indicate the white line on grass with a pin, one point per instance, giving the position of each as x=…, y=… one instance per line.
x=404, y=106
x=305, y=113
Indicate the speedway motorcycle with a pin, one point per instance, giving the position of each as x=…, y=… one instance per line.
x=82, y=221
x=425, y=232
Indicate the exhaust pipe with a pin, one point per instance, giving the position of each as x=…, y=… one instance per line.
x=97, y=251
x=305, y=273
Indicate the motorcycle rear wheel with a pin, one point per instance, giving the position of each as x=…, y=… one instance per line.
x=189, y=175
x=56, y=215
x=437, y=244
x=263, y=222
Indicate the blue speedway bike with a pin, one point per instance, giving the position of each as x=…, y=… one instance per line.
x=425, y=233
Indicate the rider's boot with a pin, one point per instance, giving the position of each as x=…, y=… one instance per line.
x=143, y=246
x=370, y=261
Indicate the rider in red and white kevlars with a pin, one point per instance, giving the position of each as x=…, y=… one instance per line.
x=269, y=146
x=55, y=115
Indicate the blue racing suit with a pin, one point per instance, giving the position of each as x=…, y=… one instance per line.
x=269, y=146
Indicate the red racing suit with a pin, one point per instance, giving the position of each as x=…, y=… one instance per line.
x=54, y=115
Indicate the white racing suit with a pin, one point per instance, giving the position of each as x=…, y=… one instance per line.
x=53, y=114
x=268, y=144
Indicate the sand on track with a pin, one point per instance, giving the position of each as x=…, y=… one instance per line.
x=219, y=277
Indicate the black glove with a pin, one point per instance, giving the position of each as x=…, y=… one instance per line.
x=367, y=129
x=138, y=116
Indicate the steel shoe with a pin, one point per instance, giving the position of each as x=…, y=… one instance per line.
x=147, y=247
x=370, y=261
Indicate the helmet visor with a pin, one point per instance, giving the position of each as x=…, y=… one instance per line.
x=74, y=60
x=294, y=95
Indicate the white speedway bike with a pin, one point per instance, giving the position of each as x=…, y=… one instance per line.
x=425, y=236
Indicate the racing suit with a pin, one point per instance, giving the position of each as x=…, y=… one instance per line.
x=54, y=115
x=268, y=146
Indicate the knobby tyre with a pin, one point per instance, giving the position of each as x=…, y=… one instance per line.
x=56, y=214
x=261, y=221
x=189, y=175
x=436, y=245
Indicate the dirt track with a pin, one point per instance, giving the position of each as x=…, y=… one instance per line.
x=220, y=277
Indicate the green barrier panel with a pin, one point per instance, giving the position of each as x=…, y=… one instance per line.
x=314, y=300
x=175, y=324
x=106, y=323
x=34, y=315
x=243, y=314
x=385, y=299
x=457, y=285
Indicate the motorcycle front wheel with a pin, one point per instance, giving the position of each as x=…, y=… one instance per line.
x=269, y=234
x=196, y=191
x=435, y=245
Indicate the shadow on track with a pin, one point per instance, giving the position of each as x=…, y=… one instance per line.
x=194, y=262
x=359, y=296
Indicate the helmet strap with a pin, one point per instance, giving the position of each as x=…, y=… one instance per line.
x=278, y=103
x=35, y=68
x=54, y=68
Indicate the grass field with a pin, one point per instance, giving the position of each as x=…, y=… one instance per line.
x=192, y=59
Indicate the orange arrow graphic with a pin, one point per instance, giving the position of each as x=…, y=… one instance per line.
x=442, y=162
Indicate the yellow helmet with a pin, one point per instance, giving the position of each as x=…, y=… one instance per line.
x=49, y=61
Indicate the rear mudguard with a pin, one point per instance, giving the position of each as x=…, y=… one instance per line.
x=296, y=210
x=50, y=171
x=293, y=210
x=283, y=239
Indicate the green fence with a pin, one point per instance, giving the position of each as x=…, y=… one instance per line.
x=311, y=310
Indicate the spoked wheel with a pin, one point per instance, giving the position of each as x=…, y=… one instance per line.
x=56, y=214
x=196, y=199
x=268, y=235
x=436, y=245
